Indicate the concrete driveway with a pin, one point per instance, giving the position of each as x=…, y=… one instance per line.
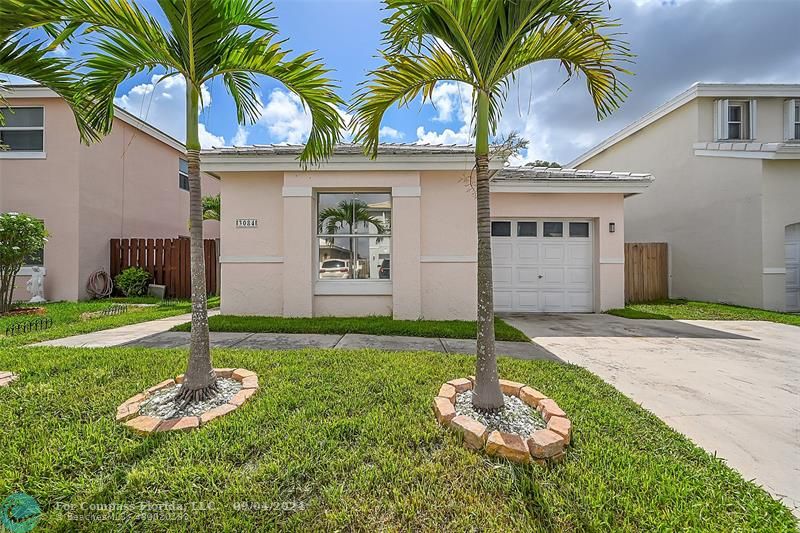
x=732, y=387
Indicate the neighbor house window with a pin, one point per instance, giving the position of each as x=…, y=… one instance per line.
x=354, y=235
x=183, y=175
x=22, y=129
x=792, y=120
x=735, y=119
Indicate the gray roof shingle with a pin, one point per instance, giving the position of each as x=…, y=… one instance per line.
x=546, y=174
x=344, y=149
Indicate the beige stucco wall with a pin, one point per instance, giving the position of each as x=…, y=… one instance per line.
x=270, y=270
x=781, y=207
x=125, y=186
x=709, y=209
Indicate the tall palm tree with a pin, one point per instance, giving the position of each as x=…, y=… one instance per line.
x=483, y=44
x=234, y=40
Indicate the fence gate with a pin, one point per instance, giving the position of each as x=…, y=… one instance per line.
x=646, y=271
x=168, y=262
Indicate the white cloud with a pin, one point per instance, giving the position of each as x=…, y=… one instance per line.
x=390, y=134
x=285, y=117
x=453, y=102
x=162, y=103
x=59, y=51
x=240, y=139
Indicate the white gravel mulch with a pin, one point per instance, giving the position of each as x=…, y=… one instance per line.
x=162, y=404
x=515, y=417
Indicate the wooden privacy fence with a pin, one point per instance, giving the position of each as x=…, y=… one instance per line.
x=646, y=271
x=168, y=262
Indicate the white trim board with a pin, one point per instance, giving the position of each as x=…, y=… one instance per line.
x=448, y=259
x=345, y=287
x=698, y=90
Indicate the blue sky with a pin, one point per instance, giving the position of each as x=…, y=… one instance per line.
x=677, y=42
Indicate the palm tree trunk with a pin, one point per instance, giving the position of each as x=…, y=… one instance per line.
x=486, y=394
x=200, y=381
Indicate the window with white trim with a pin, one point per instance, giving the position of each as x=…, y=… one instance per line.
x=735, y=120
x=183, y=175
x=22, y=129
x=354, y=232
x=792, y=120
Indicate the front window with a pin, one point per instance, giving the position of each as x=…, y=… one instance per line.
x=22, y=129
x=354, y=235
x=183, y=175
x=738, y=120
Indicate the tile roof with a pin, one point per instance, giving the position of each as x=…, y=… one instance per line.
x=343, y=149
x=546, y=174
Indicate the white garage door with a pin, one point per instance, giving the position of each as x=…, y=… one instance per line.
x=793, y=267
x=542, y=265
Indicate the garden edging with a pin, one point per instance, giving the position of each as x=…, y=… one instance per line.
x=543, y=445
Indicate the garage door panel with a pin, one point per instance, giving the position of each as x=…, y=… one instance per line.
x=553, y=253
x=503, y=275
x=792, y=252
x=503, y=300
x=528, y=253
x=502, y=253
x=579, y=276
x=527, y=300
x=527, y=275
x=543, y=274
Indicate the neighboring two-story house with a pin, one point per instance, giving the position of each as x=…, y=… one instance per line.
x=132, y=184
x=728, y=197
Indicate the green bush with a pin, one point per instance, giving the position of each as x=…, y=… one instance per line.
x=133, y=281
x=21, y=236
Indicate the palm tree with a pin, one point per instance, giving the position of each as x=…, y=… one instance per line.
x=483, y=44
x=234, y=40
x=349, y=213
x=22, y=56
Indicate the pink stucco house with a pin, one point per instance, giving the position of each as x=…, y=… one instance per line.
x=397, y=235
x=130, y=185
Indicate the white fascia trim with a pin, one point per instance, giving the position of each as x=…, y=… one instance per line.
x=33, y=91
x=711, y=90
x=353, y=288
x=448, y=259
x=611, y=261
x=250, y=259
x=267, y=163
x=571, y=187
x=743, y=154
x=409, y=192
x=22, y=155
x=298, y=192
x=771, y=270
x=28, y=271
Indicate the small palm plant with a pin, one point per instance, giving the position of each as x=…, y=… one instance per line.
x=200, y=40
x=349, y=213
x=212, y=207
x=483, y=44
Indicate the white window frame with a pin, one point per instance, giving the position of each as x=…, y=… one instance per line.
x=748, y=122
x=791, y=119
x=182, y=174
x=20, y=154
x=351, y=287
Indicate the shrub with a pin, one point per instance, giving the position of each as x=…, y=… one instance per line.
x=21, y=236
x=133, y=281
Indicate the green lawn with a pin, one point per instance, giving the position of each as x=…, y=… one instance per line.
x=347, y=441
x=690, y=310
x=371, y=325
x=67, y=321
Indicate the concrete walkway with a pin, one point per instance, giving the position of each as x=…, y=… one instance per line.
x=733, y=387
x=116, y=336
x=156, y=334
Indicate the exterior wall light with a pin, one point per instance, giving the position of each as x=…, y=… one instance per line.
x=612, y=227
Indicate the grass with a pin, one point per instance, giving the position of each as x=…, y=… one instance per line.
x=67, y=321
x=370, y=325
x=347, y=441
x=690, y=310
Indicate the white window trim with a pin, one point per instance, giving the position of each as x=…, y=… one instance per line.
x=10, y=154
x=790, y=124
x=180, y=174
x=721, y=121
x=349, y=287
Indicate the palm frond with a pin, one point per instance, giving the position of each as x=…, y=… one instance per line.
x=400, y=81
